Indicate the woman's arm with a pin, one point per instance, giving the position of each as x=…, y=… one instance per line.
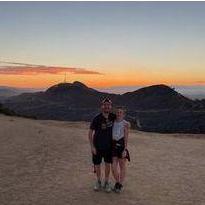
x=126, y=133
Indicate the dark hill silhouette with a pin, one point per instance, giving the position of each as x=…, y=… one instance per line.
x=76, y=101
x=74, y=94
x=78, y=95
x=156, y=97
x=64, y=101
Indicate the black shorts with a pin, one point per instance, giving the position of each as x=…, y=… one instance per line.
x=105, y=154
x=118, y=148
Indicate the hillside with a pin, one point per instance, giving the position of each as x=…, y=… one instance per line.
x=77, y=94
x=76, y=97
x=48, y=162
x=158, y=108
x=157, y=97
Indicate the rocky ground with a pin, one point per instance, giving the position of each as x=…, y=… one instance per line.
x=48, y=163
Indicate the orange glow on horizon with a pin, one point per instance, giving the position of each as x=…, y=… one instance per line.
x=103, y=81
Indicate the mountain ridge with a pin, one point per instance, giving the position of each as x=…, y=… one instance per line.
x=158, y=108
x=150, y=97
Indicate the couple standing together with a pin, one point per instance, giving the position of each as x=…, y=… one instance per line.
x=108, y=136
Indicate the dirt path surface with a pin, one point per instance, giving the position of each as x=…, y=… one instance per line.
x=48, y=163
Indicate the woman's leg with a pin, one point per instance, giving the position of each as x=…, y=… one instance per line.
x=115, y=169
x=122, y=163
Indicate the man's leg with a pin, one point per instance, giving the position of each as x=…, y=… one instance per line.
x=107, y=186
x=97, y=159
x=107, y=171
x=98, y=172
x=108, y=161
x=98, y=183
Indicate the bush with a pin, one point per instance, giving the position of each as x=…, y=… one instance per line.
x=6, y=111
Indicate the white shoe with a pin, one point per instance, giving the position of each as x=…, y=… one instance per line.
x=107, y=187
x=97, y=186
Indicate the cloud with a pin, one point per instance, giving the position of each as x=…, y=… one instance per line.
x=14, y=68
x=200, y=82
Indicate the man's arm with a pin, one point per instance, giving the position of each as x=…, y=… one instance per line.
x=90, y=137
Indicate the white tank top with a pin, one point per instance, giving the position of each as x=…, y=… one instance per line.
x=118, y=129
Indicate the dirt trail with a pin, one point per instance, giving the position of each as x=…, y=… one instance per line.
x=48, y=163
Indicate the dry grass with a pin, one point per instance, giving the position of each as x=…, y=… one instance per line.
x=48, y=163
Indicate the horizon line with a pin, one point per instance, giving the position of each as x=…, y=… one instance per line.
x=108, y=87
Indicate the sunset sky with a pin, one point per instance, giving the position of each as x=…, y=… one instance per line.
x=102, y=44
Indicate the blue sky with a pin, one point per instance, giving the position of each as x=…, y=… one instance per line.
x=152, y=40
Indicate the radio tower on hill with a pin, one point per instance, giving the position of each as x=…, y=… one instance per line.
x=65, y=80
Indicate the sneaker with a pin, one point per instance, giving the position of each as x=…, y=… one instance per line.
x=97, y=186
x=116, y=187
x=107, y=187
x=120, y=188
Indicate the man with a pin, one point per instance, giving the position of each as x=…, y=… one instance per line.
x=100, y=137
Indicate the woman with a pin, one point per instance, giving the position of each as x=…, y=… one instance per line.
x=119, y=153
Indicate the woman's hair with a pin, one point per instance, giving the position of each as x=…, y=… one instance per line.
x=120, y=108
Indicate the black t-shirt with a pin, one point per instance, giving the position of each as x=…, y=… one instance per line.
x=103, y=131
